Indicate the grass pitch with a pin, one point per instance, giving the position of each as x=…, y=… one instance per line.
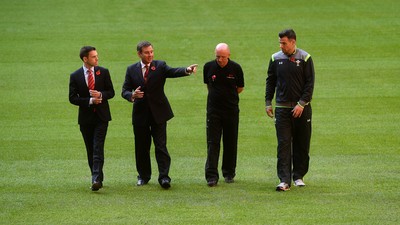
x=355, y=146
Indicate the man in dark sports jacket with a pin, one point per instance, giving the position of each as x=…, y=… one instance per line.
x=291, y=79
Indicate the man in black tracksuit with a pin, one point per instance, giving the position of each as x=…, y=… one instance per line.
x=291, y=79
x=224, y=79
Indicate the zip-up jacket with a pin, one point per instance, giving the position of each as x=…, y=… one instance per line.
x=291, y=77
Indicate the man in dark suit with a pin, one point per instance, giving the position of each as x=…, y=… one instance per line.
x=144, y=86
x=89, y=88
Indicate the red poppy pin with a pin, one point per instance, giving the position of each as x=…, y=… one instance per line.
x=292, y=59
x=98, y=72
x=153, y=68
x=213, y=77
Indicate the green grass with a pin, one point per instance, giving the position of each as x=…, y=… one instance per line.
x=355, y=150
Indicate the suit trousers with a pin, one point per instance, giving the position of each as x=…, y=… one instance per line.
x=294, y=135
x=94, y=136
x=143, y=135
x=223, y=125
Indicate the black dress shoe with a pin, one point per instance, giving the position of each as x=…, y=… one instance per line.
x=212, y=183
x=229, y=180
x=97, y=185
x=165, y=183
x=141, y=182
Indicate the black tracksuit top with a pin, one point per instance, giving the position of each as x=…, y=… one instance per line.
x=291, y=77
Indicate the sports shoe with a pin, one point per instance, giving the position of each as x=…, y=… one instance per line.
x=283, y=187
x=299, y=183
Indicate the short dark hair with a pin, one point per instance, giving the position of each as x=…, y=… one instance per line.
x=142, y=44
x=85, y=51
x=289, y=33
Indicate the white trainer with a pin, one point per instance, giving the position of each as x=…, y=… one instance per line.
x=299, y=183
x=283, y=187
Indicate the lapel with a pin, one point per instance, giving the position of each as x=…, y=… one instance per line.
x=151, y=71
x=81, y=76
x=96, y=70
x=140, y=72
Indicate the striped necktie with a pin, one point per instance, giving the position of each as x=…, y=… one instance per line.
x=90, y=80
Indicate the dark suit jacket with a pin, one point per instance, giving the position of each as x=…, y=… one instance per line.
x=155, y=101
x=79, y=95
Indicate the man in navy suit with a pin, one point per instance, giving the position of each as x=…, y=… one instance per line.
x=90, y=87
x=144, y=86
